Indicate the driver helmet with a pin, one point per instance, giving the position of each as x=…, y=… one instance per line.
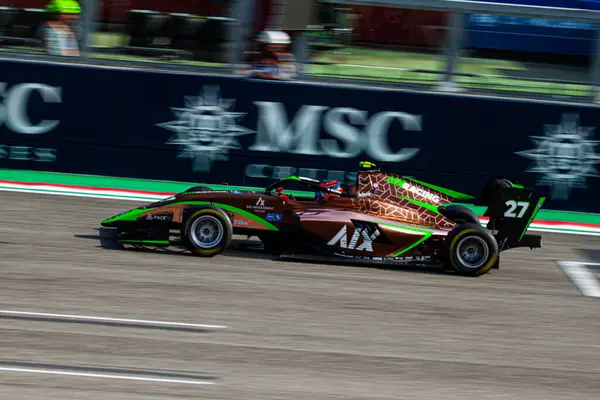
x=330, y=184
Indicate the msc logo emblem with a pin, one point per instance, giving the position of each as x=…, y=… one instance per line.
x=358, y=234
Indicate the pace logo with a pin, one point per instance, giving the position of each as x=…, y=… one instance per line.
x=357, y=235
x=206, y=128
x=152, y=217
x=564, y=157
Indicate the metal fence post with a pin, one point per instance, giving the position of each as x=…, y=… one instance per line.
x=90, y=10
x=243, y=14
x=595, y=72
x=452, y=51
x=301, y=47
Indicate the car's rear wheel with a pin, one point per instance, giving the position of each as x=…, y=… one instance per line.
x=471, y=250
x=207, y=232
x=459, y=214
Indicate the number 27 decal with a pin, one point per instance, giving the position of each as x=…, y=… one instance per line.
x=512, y=206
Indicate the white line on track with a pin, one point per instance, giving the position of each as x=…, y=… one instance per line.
x=91, y=375
x=108, y=319
x=91, y=195
x=585, y=280
x=581, y=233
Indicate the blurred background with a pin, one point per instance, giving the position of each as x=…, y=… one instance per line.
x=429, y=45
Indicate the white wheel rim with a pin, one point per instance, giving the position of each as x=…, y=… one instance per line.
x=472, y=252
x=206, y=232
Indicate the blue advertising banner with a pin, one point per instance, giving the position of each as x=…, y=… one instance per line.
x=212, y=129
x=488, y=31
x=572, y=4
x=500, y=32
x=512, y=33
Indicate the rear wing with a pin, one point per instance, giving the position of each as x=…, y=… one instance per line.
x=511, y=209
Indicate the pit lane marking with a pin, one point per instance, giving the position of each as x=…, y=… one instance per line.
x=580, y=274
x=106, y=376
x=109, y=319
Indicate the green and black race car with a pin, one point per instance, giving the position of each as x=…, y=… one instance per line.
x=383, y=218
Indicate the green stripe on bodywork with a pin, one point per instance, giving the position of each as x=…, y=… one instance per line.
x=147, y=241
x=447, y=192
x=415, y=244
x=131, y=215
x=227, y=207
x=428, y=206
x=533, y=214
x=426, y=235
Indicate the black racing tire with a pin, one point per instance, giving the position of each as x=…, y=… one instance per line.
x=207, y=232
x=459, y=214
x=498, y=184
x=471, y=250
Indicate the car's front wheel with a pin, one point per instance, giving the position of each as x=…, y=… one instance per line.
x=207, y=232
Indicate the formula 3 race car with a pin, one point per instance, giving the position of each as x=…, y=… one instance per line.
x=383, y=218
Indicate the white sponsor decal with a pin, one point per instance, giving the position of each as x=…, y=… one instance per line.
x=260, y=206
x=421, y=192
x=565, y=156
x=342, y=238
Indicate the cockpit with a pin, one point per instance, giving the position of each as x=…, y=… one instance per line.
x=298, y=188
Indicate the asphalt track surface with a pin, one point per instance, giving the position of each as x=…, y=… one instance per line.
x=293, y=330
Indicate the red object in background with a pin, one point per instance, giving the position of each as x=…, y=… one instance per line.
x=374, y=24
x=400, y=26
x=116, y=10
